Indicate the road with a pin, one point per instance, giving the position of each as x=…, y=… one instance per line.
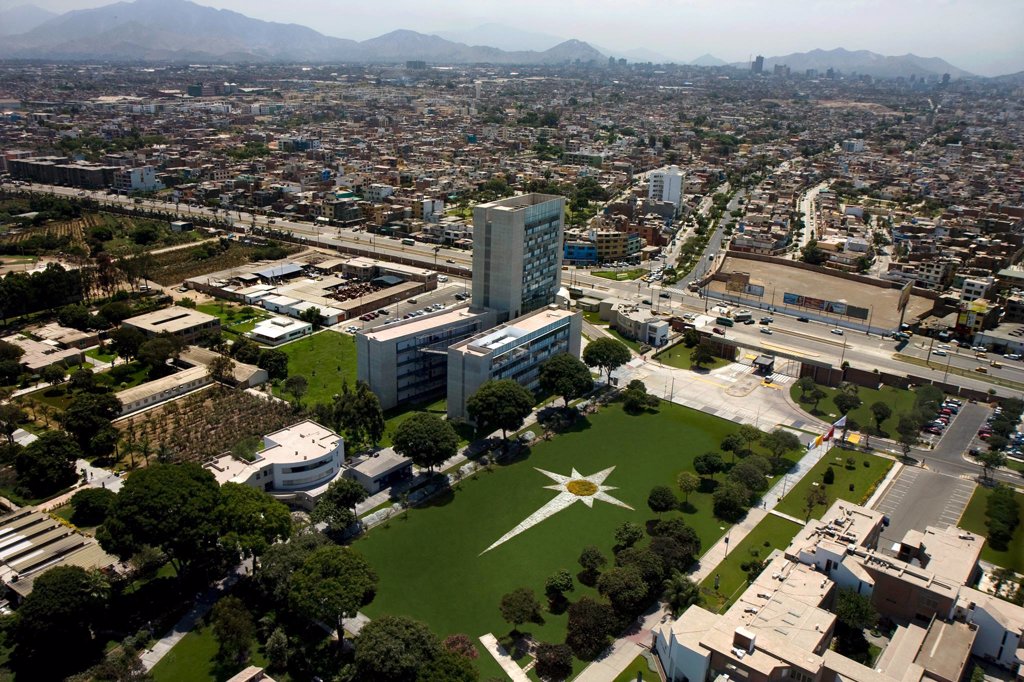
x=810, y=216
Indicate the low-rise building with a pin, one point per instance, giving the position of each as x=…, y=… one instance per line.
x=278, y=330
x=163, y=389
x=381, y=470
x=184, y=323
x=39, y=355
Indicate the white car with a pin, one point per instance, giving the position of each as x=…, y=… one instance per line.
x=837, y=331
x=940, y=353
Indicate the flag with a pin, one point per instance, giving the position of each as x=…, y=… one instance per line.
x=831, y=432
x=817, y=442
x=841, y=423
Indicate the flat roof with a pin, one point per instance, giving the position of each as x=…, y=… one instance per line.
x=168, y=383
x=276, y=327
x=422, y=324
x=305, y=439
x=39, y=354
x=947, y=648
x=174, y=319
x=496, y=339
x=381, y=463
x=285, y=270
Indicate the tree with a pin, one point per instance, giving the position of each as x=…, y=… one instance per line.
x=336, y=506
x=805, y=384
x=752, y=472
x=82, y=379
x=846, y=403
x=992, y=459
x=88, y=417
x=53, y=374
x=313, y=316
x=426, y=439
x=558, y=584
x=297, y=385
x=625, y=588
x=47, y=464
x=680, y=593
x=89, y=506
x=750, y=435
x=590, y=622
x=126, y=341
x=393, y=649
x=880, y=411
x=1002, y=516
x=628, y=534
x=75, y=316
x=244, y=350
x=688, y=482
x=156, y=351
x=358, y=413
x=854, y=610
x=907, y=428
x=815, y=396
x=591, y=560
x=222, y=369
x=708, y=464
x=64, y=606
x=730, y=501
x=275, y=362
x=276, y=649
x=607, y=354
x=139, y=516
x=733, y=443
x=812, y=254
x=829, y=477
x=332, y=583
x=636, y=399
x=564, y=375
x=702, y=355
x=691, y=337
x=679, y=531
x=520, y=606
x=279, y=564
x=501, y=404
x=10, y=417
x=554, y=661
x=816, y=497
x=460, y=644
x=997, y=442
x=233, y=629
x=251, y=520
x=662, y=499
x=448, y=667
x=648, y=563
x=778, y=443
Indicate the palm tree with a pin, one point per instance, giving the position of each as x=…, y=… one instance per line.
x=680, y=593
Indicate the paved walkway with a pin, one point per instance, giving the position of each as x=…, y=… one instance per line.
x=150, y=657
x=511, y=668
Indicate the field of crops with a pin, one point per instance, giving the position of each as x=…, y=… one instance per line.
x=173, y=267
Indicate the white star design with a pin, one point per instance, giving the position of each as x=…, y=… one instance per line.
x=587, y=489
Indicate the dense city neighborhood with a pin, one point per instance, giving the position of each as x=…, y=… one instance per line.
x=305, y=365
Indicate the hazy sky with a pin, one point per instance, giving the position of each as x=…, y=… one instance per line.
x=982, y=36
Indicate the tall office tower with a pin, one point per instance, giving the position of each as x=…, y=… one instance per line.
x=758, y=65
x=666, y=184
x=517, y=253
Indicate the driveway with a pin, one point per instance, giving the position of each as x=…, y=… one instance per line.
x=918, y=498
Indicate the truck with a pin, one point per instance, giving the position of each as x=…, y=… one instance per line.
x=724, y=321
x=409, y=242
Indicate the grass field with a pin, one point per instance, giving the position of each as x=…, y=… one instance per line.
x=101, y=355
x=863, y=478
x=431, y=565
x=234, y=320
x=974, y=521
x=633, y=345
x=678, y=356
x=393, y=418
x=639, y=665
x=194, y=658
x=620, y=275
x=774, y=532
x=899, y=400
x=326, y=360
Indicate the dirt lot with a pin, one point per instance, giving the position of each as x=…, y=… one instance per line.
x=805, y=282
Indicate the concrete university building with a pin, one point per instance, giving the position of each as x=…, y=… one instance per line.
x=517, y=262
x=780, y=629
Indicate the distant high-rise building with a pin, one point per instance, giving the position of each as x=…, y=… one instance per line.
x=781, y=70
x=758, y=65
x=416, y=65
x=517, y=253
x=666, y=184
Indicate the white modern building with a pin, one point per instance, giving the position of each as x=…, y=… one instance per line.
x=141, y=179
x=514, y=350
x=278, y=330
x=517, y=253
x=666, y=184
x=295, y=465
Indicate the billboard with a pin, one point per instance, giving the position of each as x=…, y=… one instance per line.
x=904, y=297
x=833, y=307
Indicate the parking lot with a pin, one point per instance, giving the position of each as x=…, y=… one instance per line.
x=452, y=292
x=920, y=498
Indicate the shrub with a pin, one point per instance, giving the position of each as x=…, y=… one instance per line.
x=830, y=476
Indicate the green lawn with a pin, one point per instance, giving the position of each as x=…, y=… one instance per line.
x=974, y=521
x=899, y=400
x=633, y=345
x=423, y=561
x=393, y=418
x=863, y=478
x=101, y=355
x=620, y=275
x=678, y=356
x=235, y=320
x=326, y=359
x=639, y=665
x=194, y=658
x=594, y=318
x=773, y=532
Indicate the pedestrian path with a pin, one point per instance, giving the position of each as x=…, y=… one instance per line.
x=511, y=668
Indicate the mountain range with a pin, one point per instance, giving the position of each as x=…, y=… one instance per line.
x=182, y=31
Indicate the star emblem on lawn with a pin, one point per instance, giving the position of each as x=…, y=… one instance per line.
x=571, y=489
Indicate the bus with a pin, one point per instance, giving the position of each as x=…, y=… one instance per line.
x=743, y=316
x=724, y=321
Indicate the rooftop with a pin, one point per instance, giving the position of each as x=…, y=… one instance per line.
x=173, y=320
x=168, y=383
x=420, y=325
x=495, y=340
x=381, y=462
